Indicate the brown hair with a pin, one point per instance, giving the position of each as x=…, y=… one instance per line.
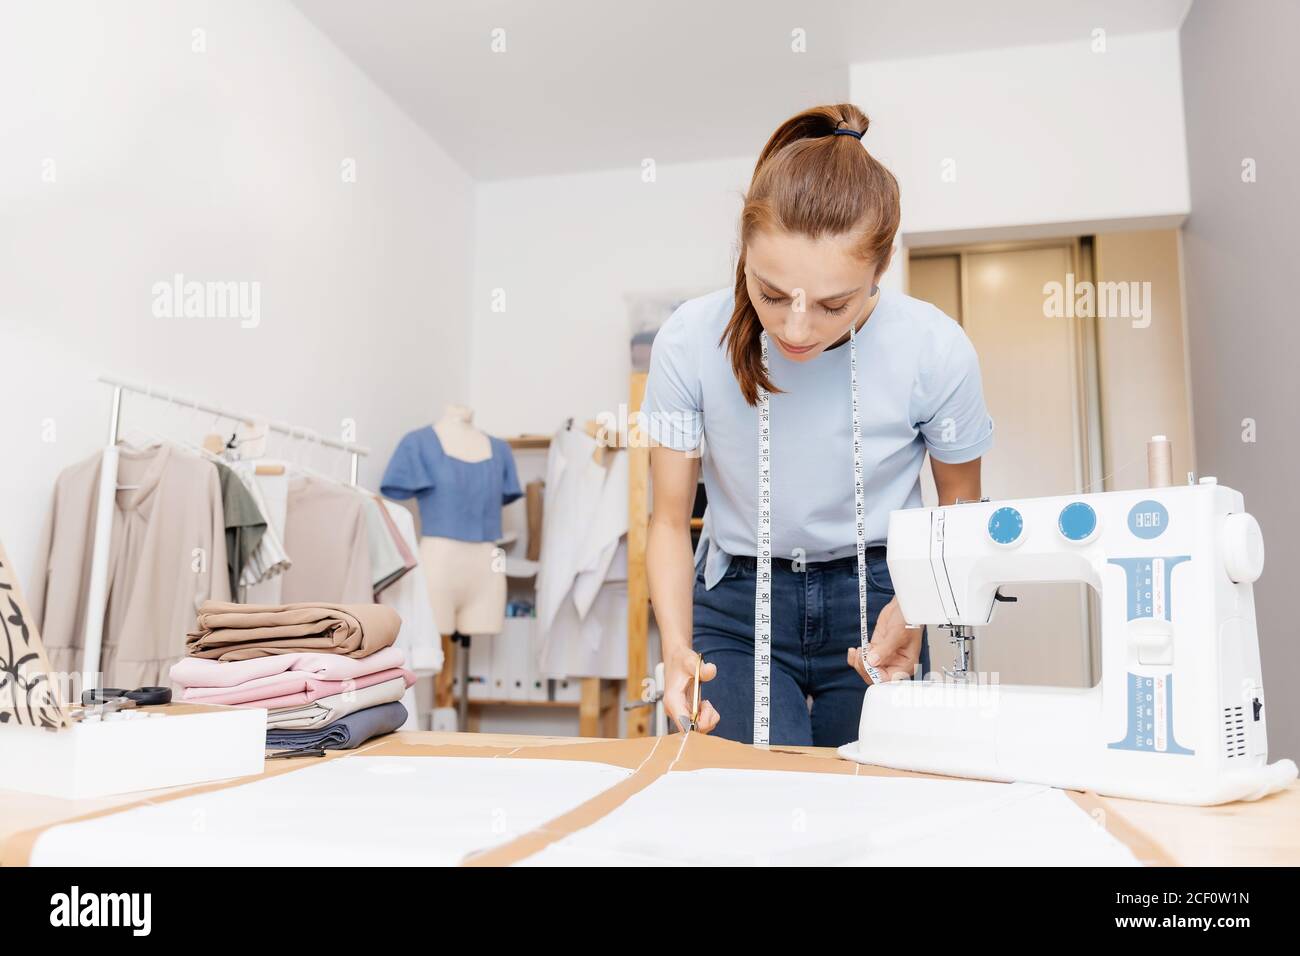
x=815, y=183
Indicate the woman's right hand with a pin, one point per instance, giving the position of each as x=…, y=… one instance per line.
x=679, y=691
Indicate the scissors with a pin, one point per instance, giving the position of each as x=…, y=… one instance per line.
x=695, y=702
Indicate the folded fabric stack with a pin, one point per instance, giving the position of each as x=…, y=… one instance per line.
x=327, y=674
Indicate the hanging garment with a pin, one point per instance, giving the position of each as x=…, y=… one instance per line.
x=533, y=492
x=584, y=519
x=326, y=710
x=409, y=560
x=419, y=638
x=595, y=644
x=386, y=562
x=203, y=672
x=325, y=531
x=461, y=500
x=270, y=560
x=167, y=556
x=600, y=647
x=236, y=632
x=245, y=524
x=345, y=734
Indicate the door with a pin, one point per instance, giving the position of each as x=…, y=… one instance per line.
x=1039, y=379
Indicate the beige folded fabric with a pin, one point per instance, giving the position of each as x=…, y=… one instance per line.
x=238, y=632
x=326, y=710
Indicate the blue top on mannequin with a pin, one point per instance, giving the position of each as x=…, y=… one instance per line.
x=458, y=499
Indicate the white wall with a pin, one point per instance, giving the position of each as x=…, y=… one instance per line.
x=221, y=165
x=1048, y=134
x=1048, y=140
x=1241, y=313
x=566, y=249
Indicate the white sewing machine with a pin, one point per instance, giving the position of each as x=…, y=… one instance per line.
x=1178, y=715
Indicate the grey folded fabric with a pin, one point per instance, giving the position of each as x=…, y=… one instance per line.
x=345, y=733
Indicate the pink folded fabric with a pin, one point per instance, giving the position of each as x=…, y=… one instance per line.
x=287, y=690
x=202, y=672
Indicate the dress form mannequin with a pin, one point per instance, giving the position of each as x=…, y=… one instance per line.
x=459, y=437
x=446, y=558
x=462, y=479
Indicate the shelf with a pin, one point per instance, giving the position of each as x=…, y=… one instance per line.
x=520, y=442
x=570, y=704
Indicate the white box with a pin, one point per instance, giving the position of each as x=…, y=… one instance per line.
x=538, y=683
x=568, y=689
x=511, y=651
x=519, y=670
x=480, y=667
x=499, y=675
x=190, y=744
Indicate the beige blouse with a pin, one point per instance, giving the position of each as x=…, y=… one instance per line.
x=167, y=556
x=325, y=531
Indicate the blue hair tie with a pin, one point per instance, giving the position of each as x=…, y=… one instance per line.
x=847, y=132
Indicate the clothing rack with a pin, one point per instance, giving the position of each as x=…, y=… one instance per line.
x=97, y=593
x=163, y=395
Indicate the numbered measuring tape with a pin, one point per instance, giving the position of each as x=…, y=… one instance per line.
x=763, y=557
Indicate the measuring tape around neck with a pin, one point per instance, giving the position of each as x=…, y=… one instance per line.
x=860, y=510
x=763, y=556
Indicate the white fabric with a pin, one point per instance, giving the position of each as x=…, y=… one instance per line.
x=764, y=817
x=419, y=638
x=596, y=645
x=261, y=576
x=584, y=519
x=348, y=811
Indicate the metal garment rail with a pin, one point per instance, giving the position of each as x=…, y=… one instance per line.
x=120, y=385
x=97, y=593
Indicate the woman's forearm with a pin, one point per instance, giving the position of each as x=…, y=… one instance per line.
x=955, y=483
x=670, y=567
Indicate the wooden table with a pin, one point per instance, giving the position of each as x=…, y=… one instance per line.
x=1263, y=833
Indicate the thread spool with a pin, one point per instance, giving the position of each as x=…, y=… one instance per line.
x=1160, y=462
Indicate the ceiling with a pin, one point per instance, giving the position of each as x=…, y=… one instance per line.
x=590, y=84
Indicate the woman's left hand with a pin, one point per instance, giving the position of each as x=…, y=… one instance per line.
x=894, y=648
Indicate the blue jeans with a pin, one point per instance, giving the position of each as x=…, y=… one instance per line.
x=814, y=623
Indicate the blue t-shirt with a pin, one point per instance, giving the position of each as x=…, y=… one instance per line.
x=458, y=499
x=918, y=388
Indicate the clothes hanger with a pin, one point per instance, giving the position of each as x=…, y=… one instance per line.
x=179, y=444
x=300, y=467
x=310, y=435
x=262, y=434
x=135, y=429
x=185, y=443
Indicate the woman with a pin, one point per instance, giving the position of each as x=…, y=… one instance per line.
x=816, y=235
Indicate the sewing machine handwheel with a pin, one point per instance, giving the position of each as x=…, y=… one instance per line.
x=1243, y=548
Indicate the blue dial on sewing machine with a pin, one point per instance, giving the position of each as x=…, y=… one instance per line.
x=1148, y=519
x=1006, y=525
x=1077, y=521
